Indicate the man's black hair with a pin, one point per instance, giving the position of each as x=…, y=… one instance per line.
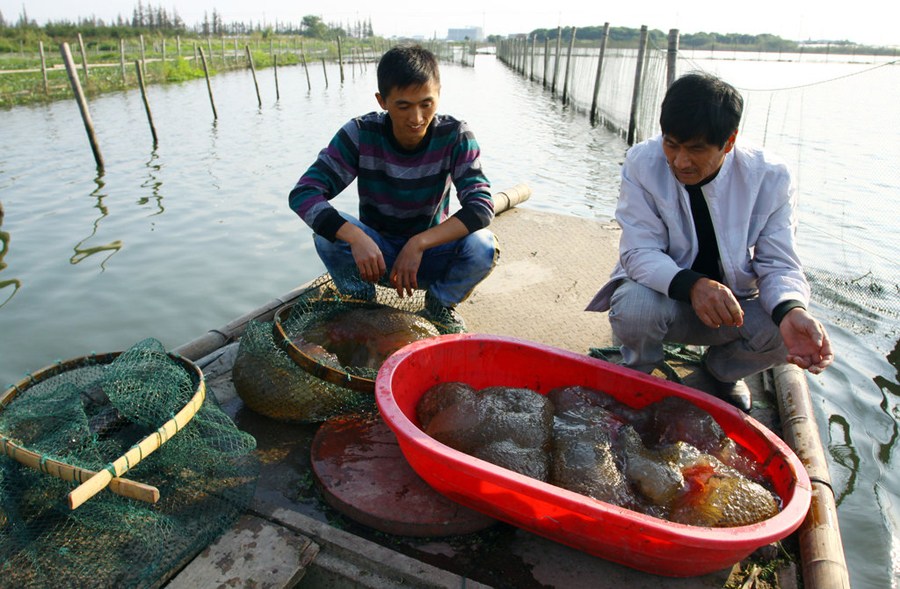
x=701, y=106
x=406, y=65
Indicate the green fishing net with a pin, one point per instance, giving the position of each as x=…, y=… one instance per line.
x=87, y=413
x=320, y=355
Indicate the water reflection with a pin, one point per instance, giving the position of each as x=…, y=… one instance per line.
x=843, y=454
x=15, y=283
x=154, y=183
x=81, y=251
x=890, y=391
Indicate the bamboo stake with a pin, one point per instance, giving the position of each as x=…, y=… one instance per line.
x=325, y=71
x=208, y=84
x=83, y=58
x=44, y=68
x=275, y=66
x=253, y=70
x=671, y=57
x=122, y=59
x=143, y=56
x=82, y=103
x=140, y=77
x=638, y=87
x=565, y=95
x=596, y=101
x=305, y=69
x=556, y=59
x=340, y=58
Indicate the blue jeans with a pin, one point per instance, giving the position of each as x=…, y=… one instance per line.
x=642, y=319
x=449, y=272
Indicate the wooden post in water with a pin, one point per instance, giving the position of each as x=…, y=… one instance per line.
x=325, y=71
x=224, y=62
x=275, y=65
x=122, y=60
x=340, y=58
x=253, y=71
x=177, y=46
x=671, y=57
x=140, y=78
x=44, y=68
x=638, y=87
x=565, y=96
x=595, y=104
x=305, y=69
x=164, y=53
x=533, y=43
x=546, y=60
x=556, y=59
x=208, y=84
x=82, y=103
x=143, y=56
x=84, y=65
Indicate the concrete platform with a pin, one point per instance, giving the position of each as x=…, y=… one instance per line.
x=550, y=267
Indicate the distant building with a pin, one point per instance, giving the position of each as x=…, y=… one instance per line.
x=467, y=34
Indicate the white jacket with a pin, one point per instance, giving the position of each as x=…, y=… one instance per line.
x=753, y=209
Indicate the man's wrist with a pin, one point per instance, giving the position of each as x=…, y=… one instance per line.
x=783, y=308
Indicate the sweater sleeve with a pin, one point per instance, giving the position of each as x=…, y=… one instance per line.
x=334, y=169
x=472, y=186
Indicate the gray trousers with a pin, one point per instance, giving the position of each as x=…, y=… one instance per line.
x=643, y=319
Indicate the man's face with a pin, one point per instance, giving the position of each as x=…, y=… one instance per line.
x=695, y=160
x=412, y=110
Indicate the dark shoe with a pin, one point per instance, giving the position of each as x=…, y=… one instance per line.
x=735, y=393
x=446, y=319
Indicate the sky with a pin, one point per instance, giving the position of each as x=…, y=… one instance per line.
x=863, y=21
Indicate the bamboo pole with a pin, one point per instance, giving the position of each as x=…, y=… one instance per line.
x=672, y=57
x=253, y=70
x=143, y=55
x=84, y=64
x=140, y=77
x=275, y=65
x=565, y=95
x=821, y=549
x=533, y=44
x=340, y=58
x=305, y=69
x=556, y=59
x=44, y=68
x=638, y=86
x=122, y=60
x=546, y=60
x=325, y=71
x=208, y=84
x=82, y=103
x=595, y=104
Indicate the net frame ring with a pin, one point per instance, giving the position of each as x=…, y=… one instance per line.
x=92, y=482
x=311, y=365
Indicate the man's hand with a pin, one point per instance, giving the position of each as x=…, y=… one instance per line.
x=806, y=340
x=715, y=304
x=406, y=267
x=366, y=253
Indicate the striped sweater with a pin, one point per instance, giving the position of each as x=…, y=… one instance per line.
x=401, y=192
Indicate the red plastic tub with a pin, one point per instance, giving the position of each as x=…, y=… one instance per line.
x=633, y=539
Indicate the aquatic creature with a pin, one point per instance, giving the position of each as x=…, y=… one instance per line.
x=662, y=460
x=364, y=337
x=583, y=457
x=506, y=426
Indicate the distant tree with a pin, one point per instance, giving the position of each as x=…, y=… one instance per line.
x=312, y=26
x=2, y=22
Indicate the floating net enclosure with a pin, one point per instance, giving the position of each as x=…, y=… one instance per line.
x=79, y=417
x=319, y=357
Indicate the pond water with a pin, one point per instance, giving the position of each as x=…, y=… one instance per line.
x=176, y=239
